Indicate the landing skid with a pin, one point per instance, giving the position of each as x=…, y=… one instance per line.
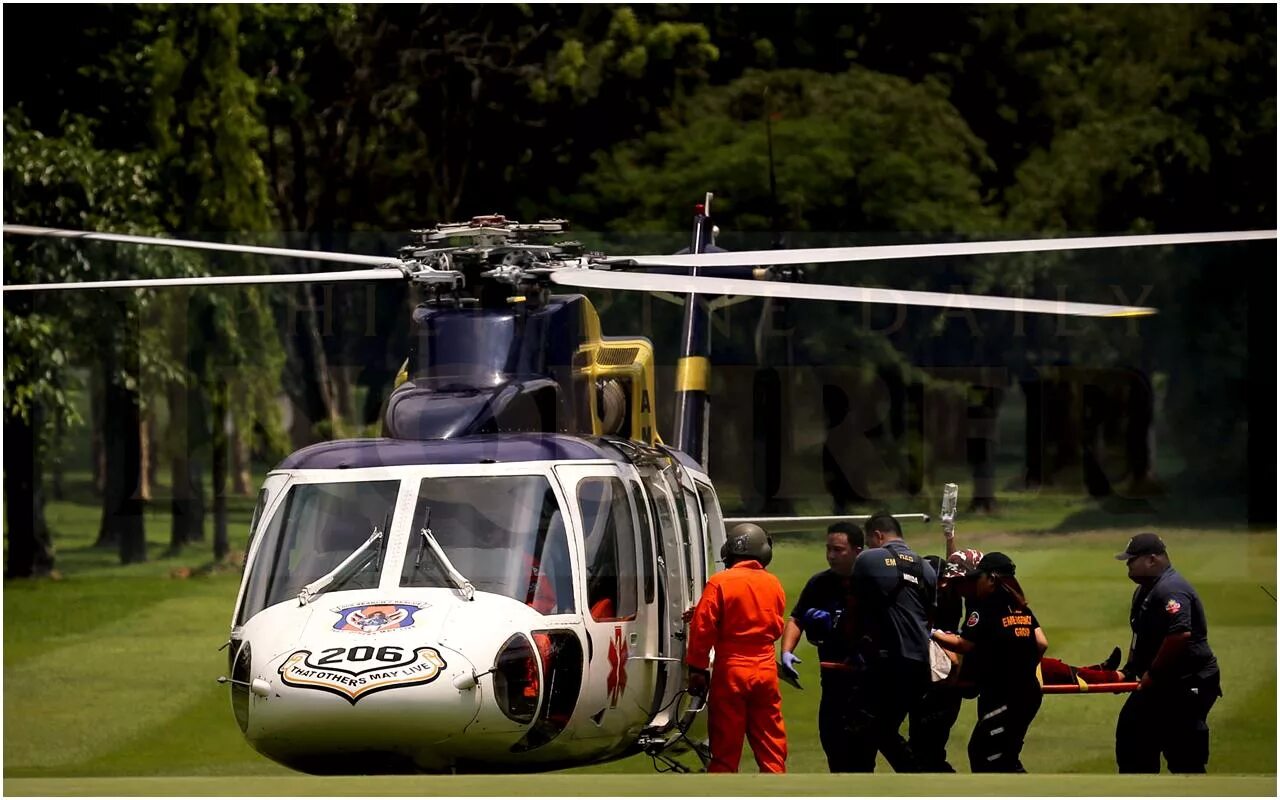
x=662, y=747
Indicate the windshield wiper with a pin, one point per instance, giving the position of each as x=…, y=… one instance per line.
x=456, y=578
x=422, y=543
x=341, y=573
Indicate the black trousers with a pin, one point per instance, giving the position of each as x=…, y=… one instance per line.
x=1170, y=720
x=930, y=727
x=883, y=696
x=1004, y=715
x=833, y=719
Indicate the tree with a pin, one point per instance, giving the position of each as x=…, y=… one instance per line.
x=1143, y=110
x=67, y=181
x=856, y=151
x=208, y=134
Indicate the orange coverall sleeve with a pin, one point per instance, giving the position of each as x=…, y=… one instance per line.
x=704, y=627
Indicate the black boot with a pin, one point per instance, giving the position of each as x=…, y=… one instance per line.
x=1112, y=663
x=1113, y=660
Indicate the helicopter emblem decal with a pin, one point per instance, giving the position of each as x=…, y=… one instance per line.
x=617, y=683
x=393, y=670
x=375, y=618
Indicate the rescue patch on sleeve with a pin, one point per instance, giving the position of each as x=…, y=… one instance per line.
x=1173, y=606
x=972, y=620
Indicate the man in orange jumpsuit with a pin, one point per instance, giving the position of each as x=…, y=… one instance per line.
x=741, y=615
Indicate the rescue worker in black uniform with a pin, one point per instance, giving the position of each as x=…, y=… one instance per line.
x=1002, y=636
x=933, y=717
x=823, y=613
x=893, y=593
x=1170, y=658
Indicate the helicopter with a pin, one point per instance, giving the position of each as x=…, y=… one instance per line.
x=498, y=583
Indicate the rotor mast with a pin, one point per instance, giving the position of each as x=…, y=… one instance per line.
x=693, y=405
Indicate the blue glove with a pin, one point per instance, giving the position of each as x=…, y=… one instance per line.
x=789, y=661
x=817, y=623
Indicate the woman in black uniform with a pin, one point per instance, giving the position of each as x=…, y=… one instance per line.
x=1002, y=644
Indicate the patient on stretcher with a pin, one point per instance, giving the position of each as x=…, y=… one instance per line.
x=1054, y=672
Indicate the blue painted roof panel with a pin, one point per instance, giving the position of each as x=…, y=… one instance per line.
x=497, y=448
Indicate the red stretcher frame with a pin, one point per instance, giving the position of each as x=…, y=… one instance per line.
x=1089, y=688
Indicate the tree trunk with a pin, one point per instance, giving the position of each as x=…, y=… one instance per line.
x=241, y=472
x=199, y=428
x=1140, y=434
x=343, y=393
x=836, y=408
x=1261, y=374
x=57, y=473
x=144, y=457
x=101, y=399
x=99, y=453
x=155, y=452
x=984, y=412
x=179, y=476
x=122, y=501
x=1097, y=408
x=30, y=546
x=221, y=451
x=314, y=417
x=322, y=381
x=1032, y=394
x=187, y=467
x=913, y=440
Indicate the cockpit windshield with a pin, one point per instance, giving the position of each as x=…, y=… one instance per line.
x=505, y=534
x=315, y=529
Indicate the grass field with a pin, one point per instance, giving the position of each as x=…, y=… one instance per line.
x=109, y=673
x=565, y=785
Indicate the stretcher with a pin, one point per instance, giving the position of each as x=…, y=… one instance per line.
x=1058, y=677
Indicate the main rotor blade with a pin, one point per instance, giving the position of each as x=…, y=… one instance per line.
x=690, y=284
x=795, y=524
x=380, y=274
x=314, y=255
x=830, y=255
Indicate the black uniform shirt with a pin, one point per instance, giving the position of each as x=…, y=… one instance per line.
x=1171, y=605
x=828, y=592
x=950, y=611
x=895, y=591
x=1004, y=632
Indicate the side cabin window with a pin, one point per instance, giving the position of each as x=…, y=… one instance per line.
x=315, y=529
x=503, y=533
x=609, y=539
x=714, y=523
x=647, y=543
x=690, y=530
x=670, y=528
x=694, y=562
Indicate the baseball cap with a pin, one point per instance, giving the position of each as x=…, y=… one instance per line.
x=1144, y=544
x=962, y=563
x=997, y=563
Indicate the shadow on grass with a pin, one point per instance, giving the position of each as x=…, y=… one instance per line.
x=1170, y=511
x=1018, y=512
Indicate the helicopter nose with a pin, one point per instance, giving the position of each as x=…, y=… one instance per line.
x=336, y=698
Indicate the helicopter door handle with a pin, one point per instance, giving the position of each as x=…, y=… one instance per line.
x=634, y=638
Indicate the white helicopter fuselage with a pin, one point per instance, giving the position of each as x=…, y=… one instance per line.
x=493, y=603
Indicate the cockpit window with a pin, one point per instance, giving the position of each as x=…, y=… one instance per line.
x=504, y=534
x=314, y=530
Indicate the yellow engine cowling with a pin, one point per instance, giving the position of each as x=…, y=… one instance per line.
x=614, y=374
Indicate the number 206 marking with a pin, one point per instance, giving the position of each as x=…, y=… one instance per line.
x=364, y=652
